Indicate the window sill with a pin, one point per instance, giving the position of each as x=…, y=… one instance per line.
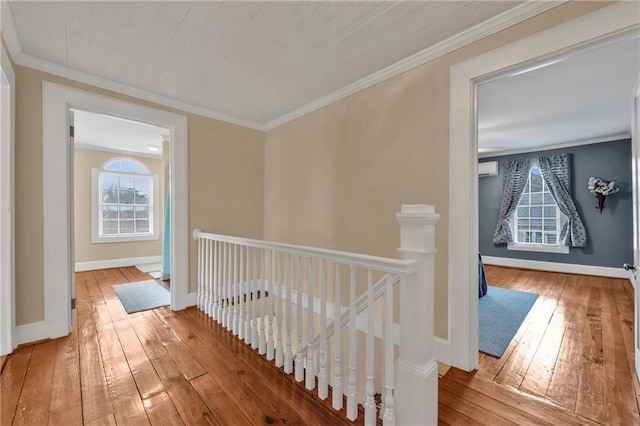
x=124, y=239
x=538, y=248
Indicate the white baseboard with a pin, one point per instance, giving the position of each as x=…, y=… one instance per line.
x=192, y=299
x=568, y=268
x=442, y=350
x=32, y=332
x=116, y=263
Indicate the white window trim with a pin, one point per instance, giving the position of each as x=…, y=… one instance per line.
x=543, y=248
x=96, y=238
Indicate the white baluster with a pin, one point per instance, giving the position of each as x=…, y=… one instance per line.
x=225, y=284
x=254, y=301
x=281, y=289
x=234, y=290
x=204, y=277
x=337, y=325
x=288, y=354
x=214, y=290
x=299, y=368
x=200, y=269
x=246, y=298
x=270, y=344
x=219, y=268
x=209, y=278
x=310, y=370
x=389, y=416
x=323, y=378
x=369, y=401
x=352, y=389
x=262, y=343
x=239, y=301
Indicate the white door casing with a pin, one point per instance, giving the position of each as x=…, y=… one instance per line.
x=635, y=279
x=8, y=338
x=620, y=20
x=57, y=100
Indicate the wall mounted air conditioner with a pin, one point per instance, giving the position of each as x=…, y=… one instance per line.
x=489, y=168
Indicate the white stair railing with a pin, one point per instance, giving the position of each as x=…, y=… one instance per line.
x=251, y=287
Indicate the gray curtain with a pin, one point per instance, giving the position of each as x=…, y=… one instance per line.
x=516, y=174
x=555, y=172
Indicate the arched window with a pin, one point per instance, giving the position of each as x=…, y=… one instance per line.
x=124, y=205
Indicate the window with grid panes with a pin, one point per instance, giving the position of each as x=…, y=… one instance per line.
x=537, y=219
x=125, y=201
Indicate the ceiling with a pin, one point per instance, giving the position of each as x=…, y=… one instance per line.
x=250, y=62
x=587, y=96
x=117, y=134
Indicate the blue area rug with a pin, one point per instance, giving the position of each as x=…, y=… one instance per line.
x=501, y=314
x=142, y=295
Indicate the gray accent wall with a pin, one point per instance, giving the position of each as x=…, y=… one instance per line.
x=610, y=234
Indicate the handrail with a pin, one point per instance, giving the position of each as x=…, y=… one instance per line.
x=361, y=305
x=397, y=266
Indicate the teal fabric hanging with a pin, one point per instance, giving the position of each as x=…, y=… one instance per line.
x=166, y=243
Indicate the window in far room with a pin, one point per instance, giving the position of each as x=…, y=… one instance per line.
x=124, y=206
x=537, y=221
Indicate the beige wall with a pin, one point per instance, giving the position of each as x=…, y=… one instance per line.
x=337, y=176
x=86, y=251
x=226, y=188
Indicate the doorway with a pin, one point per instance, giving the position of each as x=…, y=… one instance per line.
x=59, y=265
x=121, y=184
x=616, y=21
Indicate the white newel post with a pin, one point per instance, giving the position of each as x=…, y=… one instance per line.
x=416, y=369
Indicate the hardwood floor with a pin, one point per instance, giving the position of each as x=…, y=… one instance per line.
x=154, y=367
x=570, y=363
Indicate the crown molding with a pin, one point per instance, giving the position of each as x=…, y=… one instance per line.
x=477, y=32
x=103, y=83
x=612, y=138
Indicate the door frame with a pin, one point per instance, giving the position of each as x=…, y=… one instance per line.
x=635, y=167
x=605, y=25
x=8, y=339
x=59, y=266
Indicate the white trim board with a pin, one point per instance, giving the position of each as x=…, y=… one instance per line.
x=116, y=263
x=620, y=20
x=570, y=144
x=491, y=26
x=566, y=268
x=32, y=332
x=7, y=204
x=58, y=259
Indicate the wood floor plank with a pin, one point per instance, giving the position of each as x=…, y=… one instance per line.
x=449, y=416
x=590, y=402
x=34, y=402
x=186, y=400
x=469, y=409
x=161, y=411
x=530, y=404
x=254, y=407
x=66, y=395
x=178, y=351
x=146, y=378
x=96, y=400
x=500, y=408
x=11, y=382
x=218, y=401
x=127, y=404
x=109, y=420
